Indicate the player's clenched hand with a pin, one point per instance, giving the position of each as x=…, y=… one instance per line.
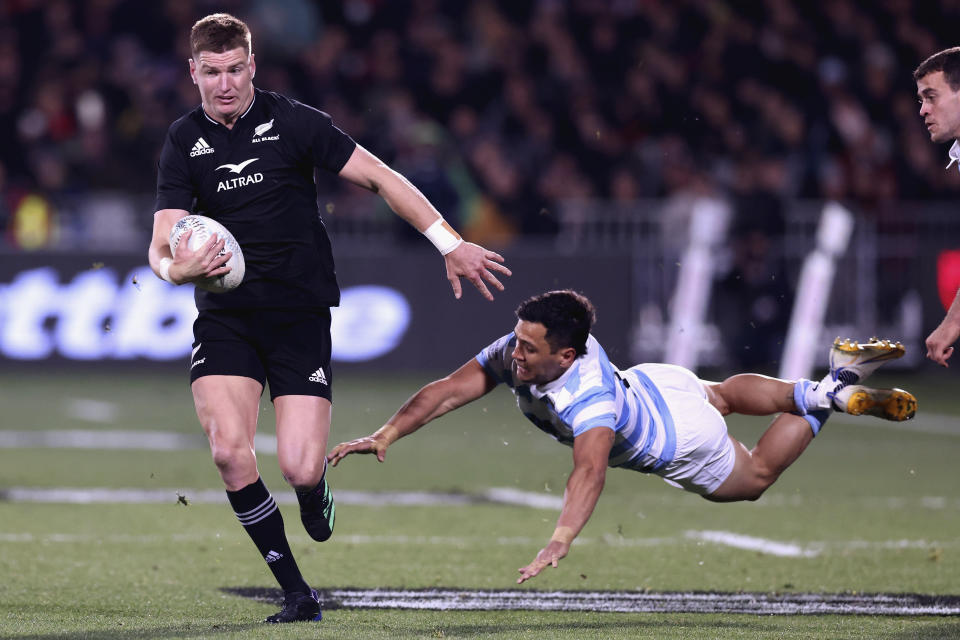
x=548, y=556
x=476, y=264
x=205, y=262
x=367, y=444
x=939, y=343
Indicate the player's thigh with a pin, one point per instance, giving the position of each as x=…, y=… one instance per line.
x=227, y=407
x=704, y=455
x=226, y=377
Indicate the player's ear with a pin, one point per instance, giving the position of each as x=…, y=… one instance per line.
x=193, y=70
x=253, y=66
x=567, y=356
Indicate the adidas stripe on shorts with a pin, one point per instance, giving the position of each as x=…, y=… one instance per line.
x=287, y=349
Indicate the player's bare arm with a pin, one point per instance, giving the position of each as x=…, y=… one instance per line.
x=591, y=452
x=463, y=386
x=188, y=265
x=940, y=342
x=467, y=259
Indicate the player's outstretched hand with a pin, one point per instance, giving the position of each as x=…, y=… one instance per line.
x=940, y=343
x=548, y=556
x=366, y=444
x=205, y=262
x=476, y=264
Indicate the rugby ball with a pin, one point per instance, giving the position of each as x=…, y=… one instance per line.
x=203, y=229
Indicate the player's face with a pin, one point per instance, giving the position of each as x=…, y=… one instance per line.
x=225, y=81
x=939, y=107
x=535, y=363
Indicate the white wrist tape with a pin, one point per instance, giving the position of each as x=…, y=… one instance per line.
x=165, y=269
x=443, y=237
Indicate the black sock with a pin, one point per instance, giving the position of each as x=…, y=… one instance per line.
x=259, y=515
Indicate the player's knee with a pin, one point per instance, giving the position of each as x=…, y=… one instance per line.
x=302, y=474
x=231, y=456
x=716, y=397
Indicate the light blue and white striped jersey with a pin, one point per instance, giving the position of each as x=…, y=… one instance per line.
x=593, y=393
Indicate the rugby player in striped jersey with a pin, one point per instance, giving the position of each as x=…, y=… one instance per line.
x=652, y=418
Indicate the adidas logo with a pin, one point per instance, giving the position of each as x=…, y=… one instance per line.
x=318, y=376
x=272, y=556
x=200, y=147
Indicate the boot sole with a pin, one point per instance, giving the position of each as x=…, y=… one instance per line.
x=889, y=404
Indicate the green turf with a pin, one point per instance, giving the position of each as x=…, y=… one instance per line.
x=160, y=571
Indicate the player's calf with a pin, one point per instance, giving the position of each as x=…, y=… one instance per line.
x=317, y=510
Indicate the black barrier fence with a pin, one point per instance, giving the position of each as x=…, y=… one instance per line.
x=397, y=313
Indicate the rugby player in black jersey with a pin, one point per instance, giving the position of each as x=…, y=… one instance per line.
x=246, y=158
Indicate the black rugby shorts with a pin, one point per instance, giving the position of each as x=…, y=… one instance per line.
x=289, y=349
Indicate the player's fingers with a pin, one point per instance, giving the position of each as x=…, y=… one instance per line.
x=493, y=255
x=482, y=288
x=499, y=267
x=336, y=454
x=492, y=279
x=455, y=285
x=529, y=571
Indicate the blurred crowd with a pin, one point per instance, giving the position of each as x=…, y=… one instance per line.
x=497, y=109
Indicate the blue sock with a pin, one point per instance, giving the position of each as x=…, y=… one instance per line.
x=805, y=396
x=816, y=419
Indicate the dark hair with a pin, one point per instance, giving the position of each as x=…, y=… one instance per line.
x=219, y=32
x=567, y=316
x=947, y=61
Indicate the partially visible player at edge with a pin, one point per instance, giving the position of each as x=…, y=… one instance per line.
x=938, y=89
x=246, y=157
x=652, y=418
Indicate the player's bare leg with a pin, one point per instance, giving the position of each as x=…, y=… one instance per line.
x=303, y=426
x=751, y=394
x=755, y=470
x=227, y=407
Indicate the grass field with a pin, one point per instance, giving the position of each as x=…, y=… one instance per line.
x=870, y=508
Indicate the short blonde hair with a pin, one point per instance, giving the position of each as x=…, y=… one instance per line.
x=220, y=32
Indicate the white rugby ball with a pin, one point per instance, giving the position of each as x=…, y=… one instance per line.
x=203, y=229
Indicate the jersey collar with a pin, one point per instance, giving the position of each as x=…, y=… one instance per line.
x=242, y=115
x=954, y=154
x=540, y=390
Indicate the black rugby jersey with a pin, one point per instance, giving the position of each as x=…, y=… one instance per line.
x=257, y=179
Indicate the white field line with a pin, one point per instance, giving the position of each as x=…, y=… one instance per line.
x=752, y=543
x=118, y=439
x=453, y=599
x=666, y=602
x=495, y=495
x=458, y=542
x=937, y=424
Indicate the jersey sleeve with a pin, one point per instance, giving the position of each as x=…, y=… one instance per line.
x=174, y=189
x=329, y=147
x=596, y=408
x=496, y=359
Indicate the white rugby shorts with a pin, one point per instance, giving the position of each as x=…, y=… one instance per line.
x=704, y=455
